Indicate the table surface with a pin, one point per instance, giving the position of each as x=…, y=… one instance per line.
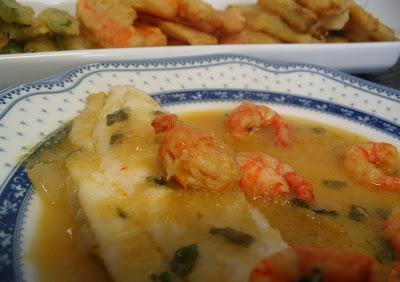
x=389, y=78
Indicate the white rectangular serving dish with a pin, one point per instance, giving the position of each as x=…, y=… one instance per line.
x=352, y=58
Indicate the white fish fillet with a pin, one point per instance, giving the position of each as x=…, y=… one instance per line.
x=138, y=225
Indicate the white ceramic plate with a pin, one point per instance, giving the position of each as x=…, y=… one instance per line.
x=352, y=58
x=30, y=112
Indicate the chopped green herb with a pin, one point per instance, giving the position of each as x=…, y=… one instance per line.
x=302, y=204
x=116, y=138
x=157, y=113
x=383, y=213
x=357, y=213
x=299, y=203
x=382, y=251
x=334, y=184
x=121, y=213
x=163, y=277
x=184, y=260
x=159, y=180
x=325, y=212
x=318, y=130
x=316, y=276
x=117, y=116
x=234, y=236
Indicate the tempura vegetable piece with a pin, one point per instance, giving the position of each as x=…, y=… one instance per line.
x=202, y=16
x=109, y=23
x=60, y=22
x=40, y=44
x=13, y=12
x=268, y=22
x=298, y=17
x=187, y=34
x=71, y=42
x=11, y=48
x=21, y=33
x=198, y=12
x=326, y=7
x=3, y=40
x=232, y=20
x=166, y=9
x=248, y=36
x=376, y=30
x=335, y=22
x=152, y=35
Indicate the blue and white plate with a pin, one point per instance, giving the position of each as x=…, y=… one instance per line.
x=30, y=112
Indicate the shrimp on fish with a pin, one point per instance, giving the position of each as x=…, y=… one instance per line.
x=265, y=176
x=373, y=164
x=391, y=229
x=195, y=159
x=249, y=118
x=313, y=264
x=110, y=24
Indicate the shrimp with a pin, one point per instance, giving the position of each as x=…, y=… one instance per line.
x=109, y=22
x=265, y=176
x=249, y=118
x=313, y=264
x=391, y=229
x=373, y=164
x=195, y=159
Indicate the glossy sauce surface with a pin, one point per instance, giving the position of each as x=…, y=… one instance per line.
x=315, y=154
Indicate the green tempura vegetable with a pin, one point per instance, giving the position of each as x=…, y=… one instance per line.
x=60, y=22
x=13, y=12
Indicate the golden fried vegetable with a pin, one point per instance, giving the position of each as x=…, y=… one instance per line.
x=326, y=7
x=13, y=12
x=187, y=34
x=152, y=35
x=59, y=22
x=40, y=44
x=71, y=42
x=11, y=48
x=232, y=20
x=373, y=26
x=21, y=33
x=269, y=23
x=248, y=36
x=335, y=22
x=298, y=17
x=3, y=40
x=166, y=9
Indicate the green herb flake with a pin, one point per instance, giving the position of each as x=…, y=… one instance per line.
x=326, y=212
x=382, y=251
x=334, y=184
x=118, y=116
x=116, y=138
x=234, y=236
x=184, y=259
x=357, y=213
x=315, y=276
x=121, y=213
x=318, y=130
x=159, y=180
x=299, y=203
x=382, y=213
x=163, y=277
x=157, y=113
